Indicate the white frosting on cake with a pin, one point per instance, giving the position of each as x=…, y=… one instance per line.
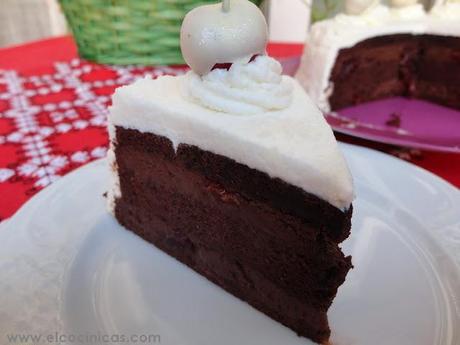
x=412, y=12
x=450, y=11
x=246, y=88
x=327, y=37
x=114, y=191
x=294, y=144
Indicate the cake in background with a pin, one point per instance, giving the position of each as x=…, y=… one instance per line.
x=232, y=170
x=374, y=51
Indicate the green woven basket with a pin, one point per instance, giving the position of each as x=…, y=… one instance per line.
x=123, y=32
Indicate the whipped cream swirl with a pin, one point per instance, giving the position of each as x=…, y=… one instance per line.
x=246, y=88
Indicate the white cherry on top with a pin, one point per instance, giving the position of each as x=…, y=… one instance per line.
x=227, y=32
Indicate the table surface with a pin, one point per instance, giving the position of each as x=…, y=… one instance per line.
x=53, y=110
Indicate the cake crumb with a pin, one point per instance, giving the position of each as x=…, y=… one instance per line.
x=407, y=154
x=394, y=120
x=223, y=194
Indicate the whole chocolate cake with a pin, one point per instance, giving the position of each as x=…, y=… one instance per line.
x=377, y=52
x=232, y=170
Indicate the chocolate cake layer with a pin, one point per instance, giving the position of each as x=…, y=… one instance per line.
x=261, y=239
x=417, y=66
x=438, y=71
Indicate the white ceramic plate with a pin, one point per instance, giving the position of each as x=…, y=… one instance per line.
x=66, y=266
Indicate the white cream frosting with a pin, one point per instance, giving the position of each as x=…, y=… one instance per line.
x=294, y=144
x=246, y=88
x=114, y=190
x=410, y=12
x=328, y=37
x=449, y=11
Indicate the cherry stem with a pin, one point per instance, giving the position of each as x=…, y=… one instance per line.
x=225, y=5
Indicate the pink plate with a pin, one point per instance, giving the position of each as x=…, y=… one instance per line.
x=398, y=121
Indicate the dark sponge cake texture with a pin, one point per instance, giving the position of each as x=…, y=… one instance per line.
x=261, y=239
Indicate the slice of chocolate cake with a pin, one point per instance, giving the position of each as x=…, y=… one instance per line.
x=256, y=204
x=414, y=66
x=236, y=174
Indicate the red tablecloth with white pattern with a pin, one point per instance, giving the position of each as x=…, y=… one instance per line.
x=53, y=110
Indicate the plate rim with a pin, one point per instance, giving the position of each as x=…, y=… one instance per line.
x=399, y=141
